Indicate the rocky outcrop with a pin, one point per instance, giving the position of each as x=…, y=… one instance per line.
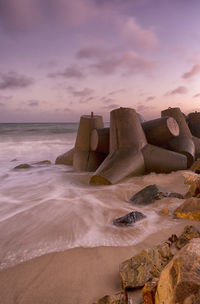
x=129, y=219
x=190, y=232
x=149, y=291
x=151, y=193
x=196, y=166
x=189, y=209
x=180, y=280
x=145, y=266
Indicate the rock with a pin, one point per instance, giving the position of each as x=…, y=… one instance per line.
x=149, y=291
x=151, y=193
x=189, y=209
x=194, y=190
x=43, y=162
x=196, y=166
x=164, y=211
x=180, y=280
x=66, y=158
x=129, y=219
x=189, y=233
x=145, y=266
x=23, y=166
x=118, y=298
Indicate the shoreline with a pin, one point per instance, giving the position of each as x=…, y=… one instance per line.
x=78, y=275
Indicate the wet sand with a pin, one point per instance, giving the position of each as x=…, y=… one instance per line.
x=80, y=275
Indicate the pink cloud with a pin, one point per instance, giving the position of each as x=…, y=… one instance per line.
x=133, y=32
x=72, y=71
x=194, y=71
x=127, y=63
x=196, y=95
x=13, y=80
x=80, y=93
x=180, y=90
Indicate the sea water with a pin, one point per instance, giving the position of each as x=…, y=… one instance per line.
x=50, y=208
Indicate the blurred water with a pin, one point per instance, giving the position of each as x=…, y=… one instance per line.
x=51, y=208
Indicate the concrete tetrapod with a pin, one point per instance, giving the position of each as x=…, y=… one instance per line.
x=158, y=132
x=194, y=123
x=84, y=159
x=130, y=153
x=126, y=141
x=183, y=143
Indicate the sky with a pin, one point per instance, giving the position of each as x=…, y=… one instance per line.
x=60, y=59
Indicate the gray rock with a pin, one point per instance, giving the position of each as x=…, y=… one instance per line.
x=151, y=193
x=129, y=219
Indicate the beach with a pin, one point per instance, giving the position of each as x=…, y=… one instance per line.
x=58, y=242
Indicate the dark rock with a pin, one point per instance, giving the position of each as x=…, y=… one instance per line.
x=129, y=219
x=43, y=162
x=151, y=193
x=149, y=291
x=23, y=166
x=189, y=233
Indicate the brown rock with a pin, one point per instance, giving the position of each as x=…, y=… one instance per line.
x=23, y=166
x=189, y=233
x=164, y=211
x=118, y=298
x=179, y=282
x=189, y=209
x=149, y=291
x=196, y=166
x=194, y=190
x=143, y=267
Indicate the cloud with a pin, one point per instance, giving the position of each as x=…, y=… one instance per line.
x=13, y=80
x=111, y=107
x=89, y=52
x=33, y=103
x=180, y=90
x=194, y=71
x=196, y=95
x=133, y=32
x=22, y=15
x=142, y=107
x=107, y=99
x=5, y=98
x=80, y=93
x=2, y=104
x=72, y=71
x=127, y=63
x=150, y=98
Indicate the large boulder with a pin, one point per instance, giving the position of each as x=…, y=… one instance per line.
x=190, y=209
x=145, y=266
x=179, y=282
x=151, y=193
x=149, y=291
x=129, y=219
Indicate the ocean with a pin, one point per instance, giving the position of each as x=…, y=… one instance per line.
x=50, y=208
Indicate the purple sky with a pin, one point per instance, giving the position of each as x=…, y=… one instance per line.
x=61, y=59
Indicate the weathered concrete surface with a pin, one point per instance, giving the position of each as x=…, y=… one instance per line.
x=84, y=159
x=65, y=158
x=179, y=282
x=160, y=160
x=100, y=140
x=190, y=209
x=126, y=140
x=143, y=267
x=194, y=123
x=159, y=131
x=183, y=143
x=129, y=219
x=151, y=193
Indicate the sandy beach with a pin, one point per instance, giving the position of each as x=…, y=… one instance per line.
x=80, y=275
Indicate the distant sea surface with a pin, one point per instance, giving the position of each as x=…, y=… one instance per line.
x=51, y=208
